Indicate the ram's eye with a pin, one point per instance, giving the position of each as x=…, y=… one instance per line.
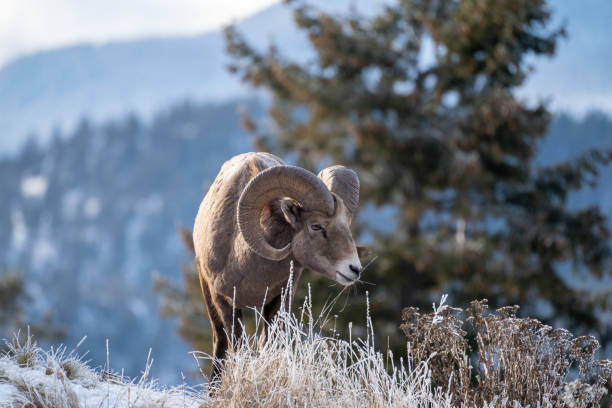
x=316, y=227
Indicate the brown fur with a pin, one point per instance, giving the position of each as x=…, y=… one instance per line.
x=225, y=261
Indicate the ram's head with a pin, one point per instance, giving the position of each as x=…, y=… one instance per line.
x=319, y=211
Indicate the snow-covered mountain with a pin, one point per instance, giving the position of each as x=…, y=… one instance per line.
x=57, y=88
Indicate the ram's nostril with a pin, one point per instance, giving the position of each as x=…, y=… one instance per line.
x=354, y=268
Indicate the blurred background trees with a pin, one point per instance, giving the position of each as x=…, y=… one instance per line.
x=183, y=301
x=420, y=101
x=11, y=298
x=14, y=319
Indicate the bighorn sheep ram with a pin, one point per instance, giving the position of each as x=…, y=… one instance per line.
x=258, y=215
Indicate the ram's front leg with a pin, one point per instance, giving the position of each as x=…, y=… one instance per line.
x=269, y=313
x=227, y=332
x=223, y=320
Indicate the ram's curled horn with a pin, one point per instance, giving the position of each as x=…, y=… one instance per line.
x=272, y=183
x=343, y=182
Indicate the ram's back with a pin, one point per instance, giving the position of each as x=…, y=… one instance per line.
x=215, y=232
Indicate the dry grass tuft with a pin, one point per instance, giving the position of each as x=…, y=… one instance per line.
x=516, y=360
x=299, y=366
x=25, y=354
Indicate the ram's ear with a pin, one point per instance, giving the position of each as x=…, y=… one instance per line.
x=291, y=212
x=363, y=252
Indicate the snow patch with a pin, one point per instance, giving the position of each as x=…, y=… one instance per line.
x=7, y=391
x=153, y=204
x=44, y=252
x=19, y=230
x=70, y=203
x=134, y=264
x=49, y=384
x=139, y=308
x=34, y=186
x=92, y=207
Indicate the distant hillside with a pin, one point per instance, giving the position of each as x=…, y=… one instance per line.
x=57, y=88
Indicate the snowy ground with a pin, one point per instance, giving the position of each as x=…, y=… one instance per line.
x=30, y=376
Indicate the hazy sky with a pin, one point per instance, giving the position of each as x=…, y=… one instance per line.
x=32, y=25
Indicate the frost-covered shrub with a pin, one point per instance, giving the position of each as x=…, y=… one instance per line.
x=511, y=360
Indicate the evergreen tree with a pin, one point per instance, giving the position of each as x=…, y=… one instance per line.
x=14, y=320
x=420, y=100
x=11, y=292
